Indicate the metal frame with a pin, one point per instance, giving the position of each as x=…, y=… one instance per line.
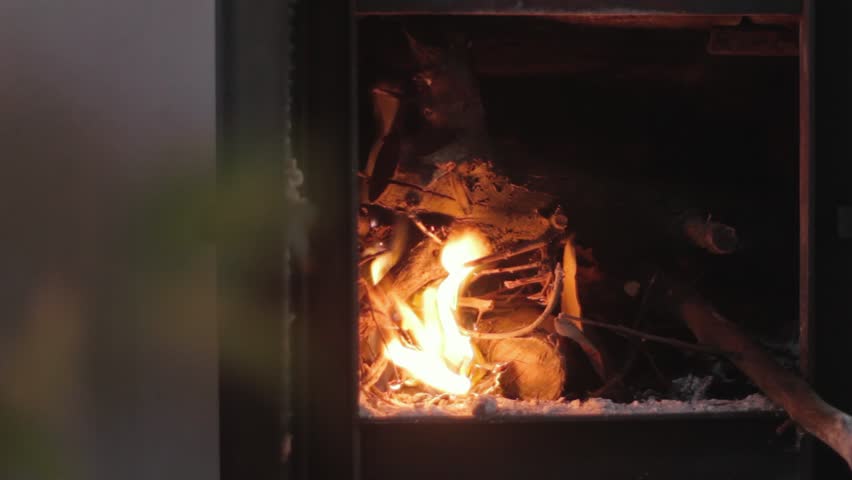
x=579, y=7
x=330, y=440
x=326, y=439
x=806, y=216
x=251, y=106
x=831, y=170
x=679, y=448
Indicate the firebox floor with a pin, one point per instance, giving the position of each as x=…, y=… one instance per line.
x=493, y=407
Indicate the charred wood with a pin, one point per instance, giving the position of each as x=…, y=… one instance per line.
x=786, y=388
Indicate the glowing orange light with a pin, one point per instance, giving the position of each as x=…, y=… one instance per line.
x=380, y=266
x=442, y=354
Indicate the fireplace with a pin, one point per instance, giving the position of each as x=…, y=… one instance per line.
x=574, y=162
x=519, y=203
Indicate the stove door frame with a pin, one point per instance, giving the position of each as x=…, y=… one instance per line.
x=328, y=438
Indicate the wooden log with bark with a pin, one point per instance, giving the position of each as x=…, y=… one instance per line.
x=786, y=388
x=535, y=366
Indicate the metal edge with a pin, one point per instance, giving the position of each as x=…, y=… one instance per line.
x=575, y=7
x=807, y=250
x=327, y=442
x=579, y=418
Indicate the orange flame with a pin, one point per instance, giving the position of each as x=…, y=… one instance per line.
x=442, y=354
x=380, y=266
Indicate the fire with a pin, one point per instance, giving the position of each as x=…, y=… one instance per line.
x=380, y=266
x=441, y=355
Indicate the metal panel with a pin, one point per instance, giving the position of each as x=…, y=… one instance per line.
x=636, y=449
x=806, y=191
x=831, y=309
x=326, y=444
x=251, y=123
x=806, y=222
x=578, y=7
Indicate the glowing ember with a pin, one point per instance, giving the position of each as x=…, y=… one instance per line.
x=441, y=355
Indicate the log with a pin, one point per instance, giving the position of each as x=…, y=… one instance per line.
x=416, y=270
x=448, y=93
x=717, y=238
x=473, y=194
x=456, y=179
x=535, y=366
x=785, y=388
x=386, y=105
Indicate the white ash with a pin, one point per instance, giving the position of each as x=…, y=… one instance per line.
x=691, y=387
x=488, y=406
x=786, y=353
x=484, y=406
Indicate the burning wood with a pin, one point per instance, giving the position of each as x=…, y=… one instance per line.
x=570, y=301
x=447, y=313
x=786, y=388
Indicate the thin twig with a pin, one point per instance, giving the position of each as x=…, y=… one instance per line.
x=659, y=373
x=481, y=305
x=635, y=346
x=643, y=303
x=651, y=337
x=382, y=338
x=410, y=185
x=555, y=294
x=425, y=230
x=784, y=426
x=366, y=258
x=376, y=370
x=517, y=268
x=526, y=281
x=496, y=257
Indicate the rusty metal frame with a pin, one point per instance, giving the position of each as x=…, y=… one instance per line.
x=578, y=7
x=807, y=339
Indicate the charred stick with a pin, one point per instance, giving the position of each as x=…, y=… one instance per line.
x=375, y=372
x=517, y=268
x=526, y=281
x=659, y=373
x=635, y=346
x=548, y=311
x=367, y=258
x=717, y=238
x=409, y=185
x=648, y=336
x=496, y=257
x=479, y=304
x=425, y=230
x=643, y=302
x=785, y=388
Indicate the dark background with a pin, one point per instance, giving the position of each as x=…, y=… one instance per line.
x=833, y=65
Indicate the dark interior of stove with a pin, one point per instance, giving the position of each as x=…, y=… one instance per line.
x=634, y=129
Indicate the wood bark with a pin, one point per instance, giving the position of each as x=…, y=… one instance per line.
x=717, y=238
x=787, y=389
x=456, y=178
x=535, y=365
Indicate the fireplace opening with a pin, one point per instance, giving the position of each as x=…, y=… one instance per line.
x=543, y=199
